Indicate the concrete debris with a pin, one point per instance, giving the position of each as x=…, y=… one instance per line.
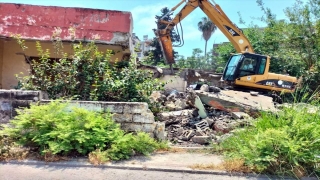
x=204, y=88
x=252, y=93
x=159, y=132
x=214, y=89
x=187, y=135
x=199, y=117
x=202, y=139
x=239, y=115
x=202, y=111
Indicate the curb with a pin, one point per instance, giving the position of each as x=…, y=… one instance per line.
x=84, y=163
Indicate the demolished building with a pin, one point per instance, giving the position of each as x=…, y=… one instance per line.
x=38, y=23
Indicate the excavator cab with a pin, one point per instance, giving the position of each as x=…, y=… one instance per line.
x=244, y=64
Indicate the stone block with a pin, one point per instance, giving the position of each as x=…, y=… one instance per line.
x=146, y=118
x=135, y=108
x=121, y=118
x=202, y=139
x=113, y=108
x=6, y=94
x=159, y=131
x=89, y=105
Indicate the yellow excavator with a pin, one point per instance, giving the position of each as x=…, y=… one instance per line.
x=245, y=69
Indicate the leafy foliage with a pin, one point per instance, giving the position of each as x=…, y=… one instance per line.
x=55, y=128
x=87, y=74
x=283, y=143
x=155, y=56
x=293, y=43
x=197, y=61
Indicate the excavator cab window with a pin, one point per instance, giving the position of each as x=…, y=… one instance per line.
x=262, y=66
x=248, y=66
x=240, y=65
x=231, y=68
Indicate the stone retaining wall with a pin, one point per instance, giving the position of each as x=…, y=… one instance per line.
x=12, y=99
x=133, y=116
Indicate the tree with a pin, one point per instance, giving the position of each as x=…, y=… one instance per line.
x=156, y=54
x=292, y=43
x=207, y=27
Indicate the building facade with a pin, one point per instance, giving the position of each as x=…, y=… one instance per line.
x=110, y=30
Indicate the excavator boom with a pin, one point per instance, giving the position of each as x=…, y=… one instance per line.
x=216, y=15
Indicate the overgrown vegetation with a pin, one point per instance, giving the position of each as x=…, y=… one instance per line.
x=86, y=74
x=293, y=43
x=285, y=143
x=56, y=130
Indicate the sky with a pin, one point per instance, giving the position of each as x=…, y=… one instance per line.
x=144, y=11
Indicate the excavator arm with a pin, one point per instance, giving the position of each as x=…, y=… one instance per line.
x=216, y=15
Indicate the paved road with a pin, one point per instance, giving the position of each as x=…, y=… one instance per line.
x=45, y=172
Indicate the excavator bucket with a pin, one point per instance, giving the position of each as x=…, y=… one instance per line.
x=166, y=46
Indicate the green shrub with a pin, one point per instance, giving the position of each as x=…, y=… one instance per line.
x=56, y=128
x=86, y=74
x=282, y=143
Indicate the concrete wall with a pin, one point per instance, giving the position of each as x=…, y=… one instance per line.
x=11, y=63
x=38, y=22
x=133, y=116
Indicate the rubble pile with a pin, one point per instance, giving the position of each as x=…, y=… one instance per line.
x=189, y=122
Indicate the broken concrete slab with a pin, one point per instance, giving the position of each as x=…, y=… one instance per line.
x=237, y=101
x=173, y=114
x=201, y=110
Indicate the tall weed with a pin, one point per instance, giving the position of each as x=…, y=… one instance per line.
x=287, y=142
